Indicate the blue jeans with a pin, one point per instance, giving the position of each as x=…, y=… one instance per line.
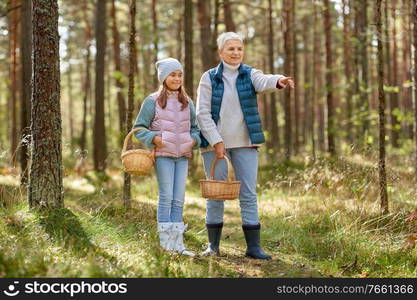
x=172, y=175
x=245, y=164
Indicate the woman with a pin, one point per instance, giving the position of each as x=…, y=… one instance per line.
x=230, y=124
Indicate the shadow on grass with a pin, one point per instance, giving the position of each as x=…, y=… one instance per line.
x=64, y=229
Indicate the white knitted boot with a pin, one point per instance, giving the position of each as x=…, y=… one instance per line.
x=178, y=229
x=165, y=236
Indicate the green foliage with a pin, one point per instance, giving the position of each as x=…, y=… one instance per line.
x=320, y=218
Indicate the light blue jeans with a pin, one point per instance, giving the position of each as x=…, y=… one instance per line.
x=172, y=175
x=245, y=164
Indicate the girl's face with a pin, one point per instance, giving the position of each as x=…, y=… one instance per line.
x=232, y=52
x=174, y=80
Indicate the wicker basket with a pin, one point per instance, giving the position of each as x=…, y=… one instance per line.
x=136, y=161
x=220, y=190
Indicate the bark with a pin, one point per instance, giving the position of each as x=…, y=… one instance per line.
x=363, y=42
x=287, y=71
x=99, y=130
x=188, y=46
x=381, y=96
x=329, y=80
x=415, y=79
x=273, y=118
x=395, y=107
x=228, y=16
x=207, y=53
x=45, y=183
x=26, y=87
x=132, y=50
x=155, y=39
x=296, y=79
x=14, y=58
x=347, y=59
x=87, y=79
x=121, y=103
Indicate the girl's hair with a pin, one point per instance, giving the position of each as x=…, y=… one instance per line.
x=163, y=96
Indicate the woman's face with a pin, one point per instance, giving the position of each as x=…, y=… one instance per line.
x=232, y=52
x=174, y=80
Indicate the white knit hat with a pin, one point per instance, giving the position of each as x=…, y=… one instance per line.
x=167, y=66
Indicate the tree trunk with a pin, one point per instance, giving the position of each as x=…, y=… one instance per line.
x=207, y=55
x=70, y=105
x=406, y=74
x=99, y=132
x=381, y=95
x=329, y=80
x=25, y=109
x=155, y=39
x=14, y=58
x=273, y=118
x=121, y=103
x=188, y=46
x=296, y=79
x=287, y=71
x=364, y=98
x=228, y=16
x=415, y=79
x=45, y=183
x=347, y=66
x=131, y=95
x=395, y=107
x=215, y=29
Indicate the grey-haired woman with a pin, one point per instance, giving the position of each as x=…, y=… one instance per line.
x=230, y=125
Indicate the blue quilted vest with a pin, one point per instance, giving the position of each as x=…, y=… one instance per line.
x=247, y=99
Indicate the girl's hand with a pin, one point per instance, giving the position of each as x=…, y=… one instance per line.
x=157, y=140
x=284, y=81
x=220, y=150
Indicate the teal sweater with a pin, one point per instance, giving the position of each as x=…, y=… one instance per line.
x=146, y=115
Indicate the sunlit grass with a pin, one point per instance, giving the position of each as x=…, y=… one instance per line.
x=318, y=218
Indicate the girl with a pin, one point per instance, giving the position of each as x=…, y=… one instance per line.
x=170, y=126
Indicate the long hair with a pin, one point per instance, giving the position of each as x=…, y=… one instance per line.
x=163, y=96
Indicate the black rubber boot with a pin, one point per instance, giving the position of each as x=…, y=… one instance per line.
x=253, y=242
x=214, y=233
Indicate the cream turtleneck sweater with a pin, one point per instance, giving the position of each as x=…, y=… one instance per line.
x=231, y=128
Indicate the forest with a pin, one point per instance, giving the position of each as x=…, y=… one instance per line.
x=337, y=175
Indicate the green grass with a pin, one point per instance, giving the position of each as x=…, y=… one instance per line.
x=318, y=219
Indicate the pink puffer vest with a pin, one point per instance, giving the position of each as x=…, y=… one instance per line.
x=173, y=125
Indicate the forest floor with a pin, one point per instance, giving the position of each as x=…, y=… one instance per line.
x=318, y=219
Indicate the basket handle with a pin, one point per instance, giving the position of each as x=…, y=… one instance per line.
x=129, y=135
x=229, y=169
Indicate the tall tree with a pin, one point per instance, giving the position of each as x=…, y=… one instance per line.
x=207, y=52
x=99, y=132
x=295, y=64
x=155, y=38
x=287, y=70
x=364, y=99
x=14, y=65
x=347, y=60
x=415, y=79
x=329, y=79
x=121, y=103
x=228, y=16
x=45, y=183
x=26, y=59
x=273, y=119
x=381, y=95
x=87, y=77
x=188, y=46
x=132, y=50
x=394, y=100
